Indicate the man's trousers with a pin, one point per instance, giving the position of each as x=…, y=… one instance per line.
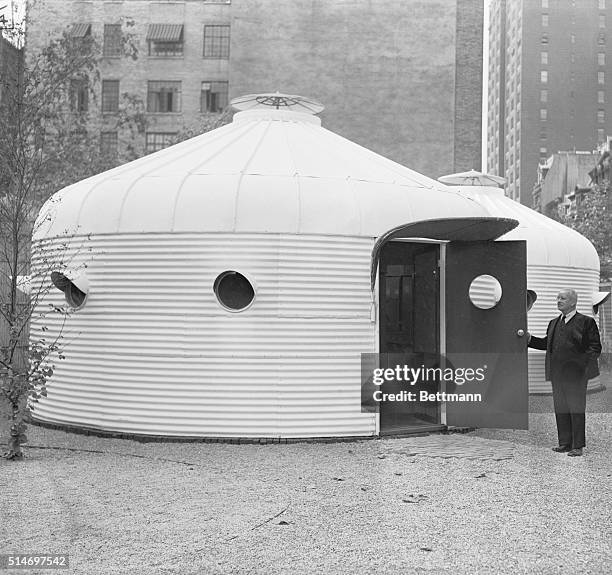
x=569, y=396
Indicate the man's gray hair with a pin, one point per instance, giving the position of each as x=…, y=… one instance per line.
x=572, y=293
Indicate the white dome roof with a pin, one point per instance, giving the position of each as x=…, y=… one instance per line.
x=548, y=242
x=268, y=171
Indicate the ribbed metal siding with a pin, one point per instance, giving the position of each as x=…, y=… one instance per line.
x=547, y=281
x=152, y=352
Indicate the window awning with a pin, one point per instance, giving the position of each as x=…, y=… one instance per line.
x=80, y=30
x=165, y=32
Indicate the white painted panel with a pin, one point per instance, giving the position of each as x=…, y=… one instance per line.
x=206, y=203
x=267, y=205
x=156, y=196
x=274, y=156
x=232, y=154
x=101, y=206
x=327, y=206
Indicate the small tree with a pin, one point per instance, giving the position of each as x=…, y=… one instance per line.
x=48, y=140
x=593, y=219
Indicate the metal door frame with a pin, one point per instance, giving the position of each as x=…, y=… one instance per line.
x=442, y=313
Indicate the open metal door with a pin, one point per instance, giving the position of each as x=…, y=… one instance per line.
x=485, y=329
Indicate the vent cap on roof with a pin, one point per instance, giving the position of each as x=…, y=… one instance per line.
x=277, y=101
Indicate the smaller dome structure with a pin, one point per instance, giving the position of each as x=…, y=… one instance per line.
x=557, y=257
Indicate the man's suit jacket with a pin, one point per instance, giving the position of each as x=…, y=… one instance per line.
x=586, y=345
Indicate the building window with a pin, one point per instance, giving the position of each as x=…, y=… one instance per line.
x=602, y=20
x=108, y=143
x=545, y=4
x=601, y=58
x=80, y=30
x=543, y=151
x=600, y=135
x=602, y=38
x=543, y=95
x=543, y=57
x=216, y=41
x=112, y=47
x=573, y=38
x=165, y=40
x=602, y=4
x=545, y=38
x=110, y=95
x=213, y=96
x=79, y=95
x=601, y=78
x=543, y=114
x=601, y=97
x=163, y=97
x=543, y=76
x=601, y=116
x=155, y=141
x=544, y=20
x=543, y=134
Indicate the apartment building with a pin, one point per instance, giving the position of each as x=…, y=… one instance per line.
x=10, y=62
x=549, y=84
x=401, y=78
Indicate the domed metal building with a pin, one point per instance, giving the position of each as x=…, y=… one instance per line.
x=226, y=287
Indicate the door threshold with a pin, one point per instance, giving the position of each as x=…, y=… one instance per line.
x=413, y=430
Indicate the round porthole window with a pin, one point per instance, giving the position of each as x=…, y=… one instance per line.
x=485, y=291
x=75, y=297
x=234, y=291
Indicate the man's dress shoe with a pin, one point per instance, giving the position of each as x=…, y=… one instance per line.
x=562, y=448
x=575, y=452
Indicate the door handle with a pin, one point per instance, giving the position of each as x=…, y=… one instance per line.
x=520, y=332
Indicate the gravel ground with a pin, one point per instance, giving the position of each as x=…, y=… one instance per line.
x=374, y=506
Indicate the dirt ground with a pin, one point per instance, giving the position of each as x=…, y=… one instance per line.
x=483, y=502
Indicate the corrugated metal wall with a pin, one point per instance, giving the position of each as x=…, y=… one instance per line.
x=547, y=281
x=605, y=324
x=152, y=352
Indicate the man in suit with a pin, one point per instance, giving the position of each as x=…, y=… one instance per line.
x=572, y=347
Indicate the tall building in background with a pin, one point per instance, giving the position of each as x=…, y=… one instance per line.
x=401, y=78
x=549, y=84
x=11, y=60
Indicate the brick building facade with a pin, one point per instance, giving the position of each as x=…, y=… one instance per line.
x=401, y=78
